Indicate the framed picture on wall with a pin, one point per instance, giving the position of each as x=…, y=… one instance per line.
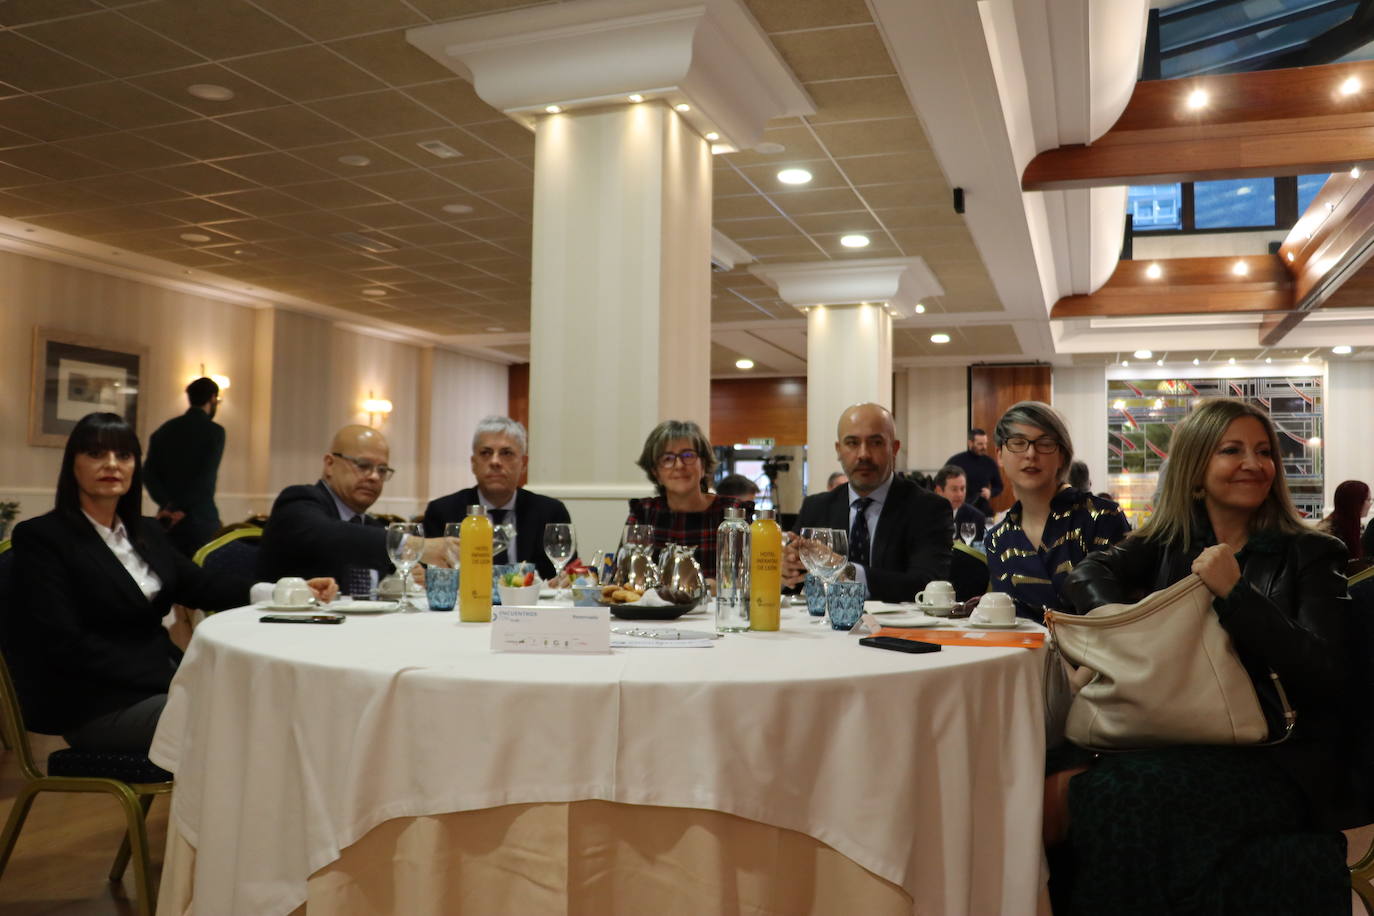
x=75, y=374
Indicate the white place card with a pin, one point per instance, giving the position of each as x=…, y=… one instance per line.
x=560, y=630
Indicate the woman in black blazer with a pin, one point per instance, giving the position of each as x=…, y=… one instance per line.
x=93, y=580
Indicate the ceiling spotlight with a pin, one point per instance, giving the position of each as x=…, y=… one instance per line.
x=1355, y=172
x=1341, y=349
x=456, y=208
x=1196, y=361
x=1159, y=362
x=744, y=364
x=636, y=97
x=1231, y=361
x=1154, y=271
x=1306, y=358
x=794, y=176
x=682, y=106
x=713, y=136
x=1240, y=269
x=1290, y=257
x=939, y=338
x=1198, y=99
x=1118, y=404
x=920, y=308
x=1125, y=362
x=854, y=241
x=1142, y=354
x=355, y=161
x=1350, y=86
x=552, y=109
x=210, y=92
x=1315, y=441
x=197, y=237
x=374, y=292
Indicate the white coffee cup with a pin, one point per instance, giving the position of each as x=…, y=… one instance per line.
x=937, y=599
x=996, y=607
x=291, y=591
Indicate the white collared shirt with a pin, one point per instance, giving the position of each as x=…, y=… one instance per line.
x=510, y=519
x=871, y=513
x=117, y=539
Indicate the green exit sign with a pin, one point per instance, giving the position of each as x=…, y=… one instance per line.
x=762, y=441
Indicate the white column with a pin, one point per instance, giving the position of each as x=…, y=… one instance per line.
x=848, y=361
x=1079, y=393
x=1347, y=435
x=936, y=416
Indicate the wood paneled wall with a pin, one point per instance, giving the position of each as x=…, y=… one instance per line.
x=518, y=395
x=992, y=389
x=745, y=408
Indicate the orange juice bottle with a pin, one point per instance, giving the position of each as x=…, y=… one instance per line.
x=474, y=563
x=765, y=571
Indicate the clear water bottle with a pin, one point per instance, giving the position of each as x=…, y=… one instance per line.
x=732, y=573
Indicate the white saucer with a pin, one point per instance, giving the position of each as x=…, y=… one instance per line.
x=269, y=606
x=360, y=607
x=916, y=619
x=990, y=625
x=936, y=610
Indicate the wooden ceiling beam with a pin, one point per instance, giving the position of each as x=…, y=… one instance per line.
x=1186, y=286
x=1271, y=122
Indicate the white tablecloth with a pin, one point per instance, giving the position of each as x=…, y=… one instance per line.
x=291, y=742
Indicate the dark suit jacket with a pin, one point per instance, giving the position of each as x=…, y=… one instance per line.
x=532, y=513
x=79, y=634
x=183, y=463
x=911, y=545
x=305, y=537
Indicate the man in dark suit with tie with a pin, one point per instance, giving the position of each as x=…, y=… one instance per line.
x=899, y=534
x=183, y=463
x=499, y=459
x=325, y=526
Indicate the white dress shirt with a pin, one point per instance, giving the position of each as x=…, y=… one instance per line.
x=117, y=539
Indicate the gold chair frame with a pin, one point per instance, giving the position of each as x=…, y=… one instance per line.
x=234, y=535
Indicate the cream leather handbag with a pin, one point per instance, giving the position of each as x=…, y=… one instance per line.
x=1165, y=673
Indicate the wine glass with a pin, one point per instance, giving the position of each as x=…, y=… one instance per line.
x=967, y=532
x=501, y=536
x=824, y=552
x=560, y=542
x=404, y=544
x=453, y=532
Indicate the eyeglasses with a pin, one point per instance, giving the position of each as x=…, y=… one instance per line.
x=367, y=468
x=1045, y=445
x=668, y=459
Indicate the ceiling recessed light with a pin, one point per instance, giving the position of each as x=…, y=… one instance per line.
x=1196, y=361
x=1341, y=349
x=635, y=97
x=1154, y=271
x=355, y=161
x=495, y=329
x=374, y=292
x=713, y=136
x=1268, y=359
x=1231, y=361
x=1306, y=358
x=456, y=208
x=439, y=148
x=1198, y=99
x=854, y=241
x=744, y=364
x=1125, y=362
x=770, y=149
x=552, y=109
x=682, y=106
x=1290, y=257
x=197, y=237
x=1351, y=85
x=1240, y=269
x=939, y=338
x=1315, y=441
x=210, y=92
x=1142, y=354
x=1159, y=362
x=920, y=308
x=794, y=176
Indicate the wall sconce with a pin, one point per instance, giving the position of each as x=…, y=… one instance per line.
x=373, y=406
x=221, y=380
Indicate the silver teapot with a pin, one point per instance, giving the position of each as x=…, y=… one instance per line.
x=679, y=574
x=634, y=566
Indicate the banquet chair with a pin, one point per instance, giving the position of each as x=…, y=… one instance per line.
x=235, y=552
x=968, y=571
x=1361, y=641
x=133, y=779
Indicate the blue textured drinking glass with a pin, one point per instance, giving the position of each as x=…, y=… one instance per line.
x=815, y=596
x=441, y=587
x=846, y=604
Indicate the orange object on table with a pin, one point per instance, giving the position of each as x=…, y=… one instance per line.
x=1001, y=639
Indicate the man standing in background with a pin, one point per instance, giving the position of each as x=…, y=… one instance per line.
x=980, y=469
x=181, y=468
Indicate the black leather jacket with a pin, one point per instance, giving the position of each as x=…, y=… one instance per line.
x=1288, y=613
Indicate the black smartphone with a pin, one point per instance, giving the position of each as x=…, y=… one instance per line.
x=899, y=645
x=301, y=618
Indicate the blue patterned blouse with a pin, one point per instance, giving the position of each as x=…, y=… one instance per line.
x=1079, y=523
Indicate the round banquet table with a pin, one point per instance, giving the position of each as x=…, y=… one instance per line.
x=394, y=763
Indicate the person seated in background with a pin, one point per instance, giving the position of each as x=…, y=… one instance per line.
x=738, y=487
x=83, y=631
x=1209, y=830
x=1051, y=526
x=951, y=483
x=900, y=535
x=499, y=459
x=1351, y=506
x=324, y=529
x=836, y=479
x=678, y=460
x=984, y=483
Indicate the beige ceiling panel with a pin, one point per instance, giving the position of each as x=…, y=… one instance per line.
x=257, y=230
x=726, y=181
x=302, y=247
x=375, y=114
x=423, y=287
x=273, y=168
x=203, y=139
x=215, y=28
x=842, y=223
x=519, y=201
x=48, y=199
x=112, y=43
x=735, y=311
x=859, y=99
x=389, y=57
x=516, y=268
x=198, y=178
x=12, y=138
x=316, y=223
x=287, y=127
x=345, y=260
x=86, y=224
x=124, y=151
x=51, y=162
x=743, y=207
x=800, y=248
x=509, y=228
x=335, y=194
x=896, y=168
x=382, y=216
x=128, y=189
x=824, y=174
x=798, y=142
x=324, y=20
x=257, y=202
x=307, y=73
x=172, y=85
x=119, y=104
x=327, y=157
x=831, y=200
x=42, y=120
x=840, y=53
x=989, y=339
x=412, y=184
x=409, y=257
x=159, y=239
x=867, y=138
x=505, y=135
x=11, y=177
x=32, y=67
x=456, y=100
x=742, y=230
x=472, y=252
x=191, y=257
x=428, y=233
x=936, y=210
x=21, y=12
x=492, y=175
x=201, y=210
x=406, y=146
x=929, y=237
x=788, y=15
x=252, y=273
x=453, y=271
x=899, y=220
